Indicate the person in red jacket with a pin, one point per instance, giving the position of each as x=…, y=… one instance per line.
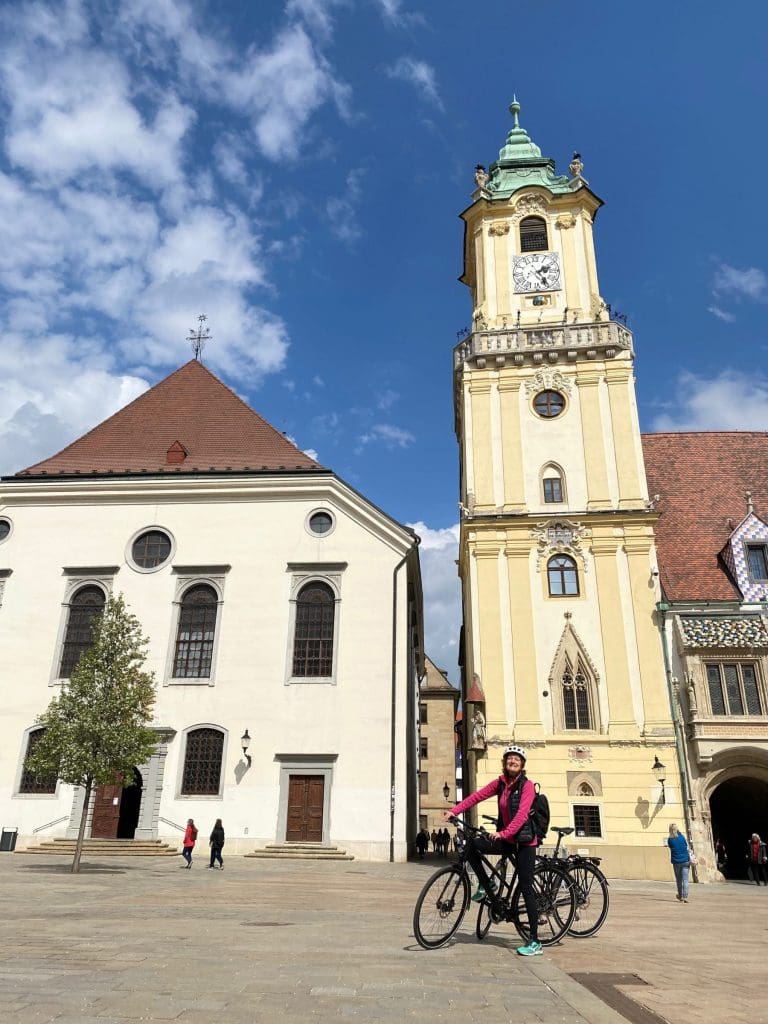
x=515, y=835
x=188, y=845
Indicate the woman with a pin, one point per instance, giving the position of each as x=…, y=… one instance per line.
x=188, y=844
x=515, y=793
x=217, y=843
x=681, y=861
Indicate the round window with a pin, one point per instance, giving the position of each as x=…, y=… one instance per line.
x=321, y=523
x=151, y=549
x=549, y=404
x=5, y=529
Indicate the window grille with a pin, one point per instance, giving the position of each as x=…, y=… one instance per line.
x=31, y=783
x=313, y=638
x=533, y=235
x=586, y=821
x=196, y=632
x=151, y=549
x=202, y=763
x=86, y=604
x=734, y=689
x=576, y=712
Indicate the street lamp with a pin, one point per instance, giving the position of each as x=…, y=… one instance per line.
x=446, y=791
x=660, y=771
x=245, y=742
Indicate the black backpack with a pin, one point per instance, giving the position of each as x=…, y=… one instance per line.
x=538, y=816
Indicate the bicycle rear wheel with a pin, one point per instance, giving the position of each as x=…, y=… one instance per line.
x=441, y=907
x=555, y=902
x=591, y=891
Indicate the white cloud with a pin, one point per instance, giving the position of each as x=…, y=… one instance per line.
x=438, y=552
x=393, y=13
x=342, y=210
x=418, y=74
x=729, y=401
x=317, y=14
x=386, y=399
x=721, y=314
x=312, y=454
x=750, y=283
x=391, y=436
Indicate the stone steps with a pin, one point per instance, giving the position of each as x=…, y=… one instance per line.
x=300, y=851
x=105, y=848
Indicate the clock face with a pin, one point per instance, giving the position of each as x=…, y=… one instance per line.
x=536, y=272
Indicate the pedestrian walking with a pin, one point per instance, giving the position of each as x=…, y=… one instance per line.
x=721, y=854
x=434, y=840
x=757, y=859
x=216, y=841
x=445, y=840
x=681, y=861
x=188, y=843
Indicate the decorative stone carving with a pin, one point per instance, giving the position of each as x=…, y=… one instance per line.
x=559, y=538
x=481, y=177
x=479, y=321
x=477, y=741
x=576, y=166
x=548, y=380
x=504, y=741
x=580, y=754
x=529, y=205
x=499, y=227
x=565, y=220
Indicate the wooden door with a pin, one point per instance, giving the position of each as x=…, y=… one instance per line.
x=305, y=809
x=106, y=812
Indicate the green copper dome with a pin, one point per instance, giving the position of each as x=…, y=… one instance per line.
x=521, y=165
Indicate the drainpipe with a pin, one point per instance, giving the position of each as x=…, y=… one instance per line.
x=662, y=607
x=393, y=724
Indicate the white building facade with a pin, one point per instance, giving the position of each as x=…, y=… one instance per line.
x=278, y=602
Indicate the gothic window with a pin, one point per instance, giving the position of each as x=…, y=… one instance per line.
x=562, y=576
x=552, y=485
x=31, y=784
x=576, y=703
x=202, y=762
x=195, y=634
x=734, y=689
x=585, y=789
x=86, y=604
x=533, y=234
x=313, y=634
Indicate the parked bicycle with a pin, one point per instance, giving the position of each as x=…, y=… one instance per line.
x=445, y=898
x=590, y=884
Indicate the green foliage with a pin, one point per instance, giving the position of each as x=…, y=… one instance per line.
x=96, y=729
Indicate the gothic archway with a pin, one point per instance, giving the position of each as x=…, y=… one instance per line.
x=739, y=807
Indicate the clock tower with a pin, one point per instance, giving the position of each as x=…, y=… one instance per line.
x=562, y=652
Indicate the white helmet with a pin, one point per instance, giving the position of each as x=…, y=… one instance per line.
x=514, y=749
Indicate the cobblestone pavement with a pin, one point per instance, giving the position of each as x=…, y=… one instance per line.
x=140, y=939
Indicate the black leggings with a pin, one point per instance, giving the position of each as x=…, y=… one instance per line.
x=525, y=857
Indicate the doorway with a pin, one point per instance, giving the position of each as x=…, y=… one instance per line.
x=116, y=809
x=739, y=807
x=305, y=809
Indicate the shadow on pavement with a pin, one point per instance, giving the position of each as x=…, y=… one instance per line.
x=66, y=869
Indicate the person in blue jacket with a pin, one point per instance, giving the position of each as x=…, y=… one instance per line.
x=681, y=861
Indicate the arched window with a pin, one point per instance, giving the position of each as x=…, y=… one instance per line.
x=577, y=713
x=585, y=789
x=86, y=604
x=552, y=485
x=562, y=576
x=533, y=234
x=202, y=762
x=313, y=637
x=196, y=632
x=32, y=783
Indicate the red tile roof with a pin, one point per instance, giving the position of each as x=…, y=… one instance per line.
x=701, y=479
x=190, y=422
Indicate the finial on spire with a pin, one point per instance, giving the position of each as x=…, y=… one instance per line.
x=198, y=337
x=750, y=506
x=514, y=109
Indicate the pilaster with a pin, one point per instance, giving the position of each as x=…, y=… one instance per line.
x=482, y=452
x=528, y=721
x=488, y=660
x=598, y=495
x=625, y=440
x=511, y=444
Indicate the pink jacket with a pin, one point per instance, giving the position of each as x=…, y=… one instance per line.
x=511, y=828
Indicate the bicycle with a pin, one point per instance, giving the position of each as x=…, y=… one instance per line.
x=445, y=898
x=591, y=888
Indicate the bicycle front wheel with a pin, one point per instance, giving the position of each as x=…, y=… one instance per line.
x=555, y=904
x=441, y=907
x=591, y=891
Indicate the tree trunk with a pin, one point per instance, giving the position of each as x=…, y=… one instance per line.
x=81, y=831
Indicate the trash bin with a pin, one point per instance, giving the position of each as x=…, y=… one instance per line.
x=8, y=840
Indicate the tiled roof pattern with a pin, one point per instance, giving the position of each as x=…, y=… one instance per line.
x=700, y=631
x=191, y=411
x=701, y=479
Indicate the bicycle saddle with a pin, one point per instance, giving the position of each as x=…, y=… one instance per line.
x=562, y=831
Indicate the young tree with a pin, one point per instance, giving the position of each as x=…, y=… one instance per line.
x=96, y=729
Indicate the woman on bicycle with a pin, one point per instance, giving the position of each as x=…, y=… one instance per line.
x=515, y=835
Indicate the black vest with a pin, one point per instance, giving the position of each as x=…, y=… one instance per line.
x=525, y=834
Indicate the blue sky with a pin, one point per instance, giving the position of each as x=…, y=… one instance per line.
x=295, y=171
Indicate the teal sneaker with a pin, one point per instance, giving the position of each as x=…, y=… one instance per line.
x=532, y=949
x=479, y=895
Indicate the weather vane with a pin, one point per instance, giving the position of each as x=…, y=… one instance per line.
x=199, y=337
